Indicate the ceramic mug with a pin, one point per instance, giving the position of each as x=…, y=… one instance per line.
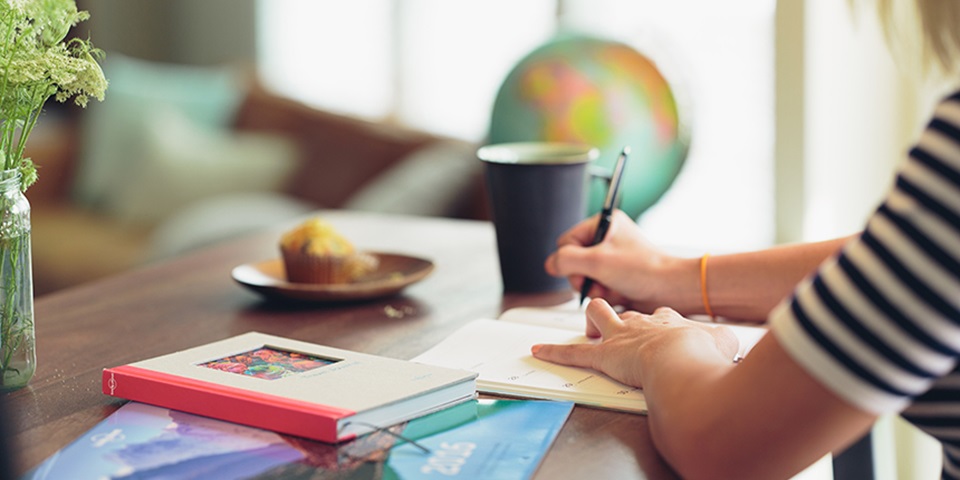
x=536, y=191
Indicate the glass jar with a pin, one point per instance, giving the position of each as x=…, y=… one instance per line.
x=18, y=356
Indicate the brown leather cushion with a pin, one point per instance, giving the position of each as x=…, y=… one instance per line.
x=339, y=153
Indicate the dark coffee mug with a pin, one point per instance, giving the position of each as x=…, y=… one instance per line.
x=537, y=191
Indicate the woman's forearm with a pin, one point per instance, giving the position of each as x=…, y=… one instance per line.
x=743, y=286
x=763, y=418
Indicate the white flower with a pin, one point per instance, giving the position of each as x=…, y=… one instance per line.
x=18, y=5
x=38, y=63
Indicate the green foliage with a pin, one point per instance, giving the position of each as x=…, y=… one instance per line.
x=37, y=62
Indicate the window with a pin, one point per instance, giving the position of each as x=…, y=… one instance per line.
x=437, y=64
x=721, y=56
x=330, y=55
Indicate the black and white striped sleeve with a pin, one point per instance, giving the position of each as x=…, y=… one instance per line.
x=880, y=322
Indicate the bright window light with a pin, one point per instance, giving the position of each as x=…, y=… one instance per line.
x=721, y=56
x=456, y=54
x=436, y=65
x=331, y=55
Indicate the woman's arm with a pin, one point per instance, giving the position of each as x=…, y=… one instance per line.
x=630, y=271
x=763, y=418
x=748, y=285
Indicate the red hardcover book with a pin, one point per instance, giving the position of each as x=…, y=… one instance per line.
x=291, y=387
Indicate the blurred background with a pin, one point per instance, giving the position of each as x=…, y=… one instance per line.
x=356, y=89
x=214, y=105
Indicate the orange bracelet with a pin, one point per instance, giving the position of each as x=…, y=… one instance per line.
x=703, y=286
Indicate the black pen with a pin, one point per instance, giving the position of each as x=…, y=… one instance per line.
x=606, y=213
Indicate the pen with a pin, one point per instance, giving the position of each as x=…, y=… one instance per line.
x=606, y=213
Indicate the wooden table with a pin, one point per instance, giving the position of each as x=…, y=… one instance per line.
x=192, y=300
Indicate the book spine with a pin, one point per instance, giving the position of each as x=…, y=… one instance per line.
x=270, y=412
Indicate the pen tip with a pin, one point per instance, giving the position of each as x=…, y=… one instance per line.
x=626, y=150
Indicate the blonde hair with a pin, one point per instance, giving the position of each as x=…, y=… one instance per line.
x=930, y=28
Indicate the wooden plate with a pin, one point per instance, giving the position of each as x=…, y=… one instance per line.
x=394, y=273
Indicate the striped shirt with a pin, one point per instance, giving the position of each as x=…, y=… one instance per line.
x=879, y=324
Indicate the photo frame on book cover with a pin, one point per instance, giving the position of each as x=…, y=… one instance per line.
x=269, y=362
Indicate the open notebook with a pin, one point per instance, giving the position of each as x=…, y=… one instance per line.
x=499, y=351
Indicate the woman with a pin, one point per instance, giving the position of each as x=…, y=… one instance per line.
x=870, y=323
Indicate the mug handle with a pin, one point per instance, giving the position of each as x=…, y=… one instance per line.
x=597, y=172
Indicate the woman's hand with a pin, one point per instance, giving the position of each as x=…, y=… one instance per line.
x=627, y=269
x=698, y=400
x=634, y=343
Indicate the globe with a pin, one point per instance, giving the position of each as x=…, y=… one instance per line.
x=604, y=93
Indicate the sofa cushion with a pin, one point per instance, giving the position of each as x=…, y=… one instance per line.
x=339, y=154
x=430, y=181
x=114, y=130
x=222, y=217
x=183, y=162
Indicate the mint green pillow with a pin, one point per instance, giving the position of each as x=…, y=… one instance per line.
x=114, y=131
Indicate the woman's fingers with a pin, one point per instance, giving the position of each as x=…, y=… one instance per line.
x=571, y=260
x=568, y=258
x=577, y=355
x=601, y=318
x=727, y=341
x=580, y=234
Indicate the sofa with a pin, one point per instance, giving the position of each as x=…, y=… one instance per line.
x=178, y=157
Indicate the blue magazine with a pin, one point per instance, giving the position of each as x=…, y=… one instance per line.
x=490, y=439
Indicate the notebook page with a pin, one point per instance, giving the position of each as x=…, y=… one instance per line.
x=570, y=316
x=500, y=352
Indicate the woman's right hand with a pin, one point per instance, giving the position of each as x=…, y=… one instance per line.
x=626, y=269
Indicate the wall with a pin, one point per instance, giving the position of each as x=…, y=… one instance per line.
x=177, y=31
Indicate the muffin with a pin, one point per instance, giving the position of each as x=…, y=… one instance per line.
x=314, y=252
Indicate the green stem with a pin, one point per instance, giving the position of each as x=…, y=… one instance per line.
x=9, y=318
x=9, y=128
x=36, y=108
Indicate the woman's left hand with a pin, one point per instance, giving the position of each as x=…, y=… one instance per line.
x=632, y=342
